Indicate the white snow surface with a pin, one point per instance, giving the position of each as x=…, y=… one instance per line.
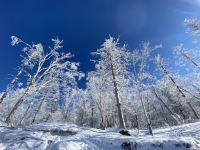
x=49, y=136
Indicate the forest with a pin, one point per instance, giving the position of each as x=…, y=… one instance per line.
x=131, y=89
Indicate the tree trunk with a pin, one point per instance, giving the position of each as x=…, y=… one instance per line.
x=137, y=122
x=175, y=116
x=164, y=117
x=48, y=117
x=146, y=116
x=116, y=92
x=193, y=110
x=20, y=123
x=92, y=118
x=19, y=101
x=179, y=89
x=25, y=113
x=53, y=109
x=102, y=124
x=190, y=59
x=148, y=110
x=39, y=107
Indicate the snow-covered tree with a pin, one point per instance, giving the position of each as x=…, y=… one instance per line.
x=140, y=60
x=44, y=67
x=112, y=65
x=180, y=90
x=193, y=26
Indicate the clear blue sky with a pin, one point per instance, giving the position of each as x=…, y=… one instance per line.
x=84, y=24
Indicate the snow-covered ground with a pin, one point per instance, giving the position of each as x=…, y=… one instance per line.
x=61, y=136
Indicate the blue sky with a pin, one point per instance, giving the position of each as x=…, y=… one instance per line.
x=84, y=24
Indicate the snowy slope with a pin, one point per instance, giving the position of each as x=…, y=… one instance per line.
x=61, y=136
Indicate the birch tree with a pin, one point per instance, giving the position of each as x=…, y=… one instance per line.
x=45, y=66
